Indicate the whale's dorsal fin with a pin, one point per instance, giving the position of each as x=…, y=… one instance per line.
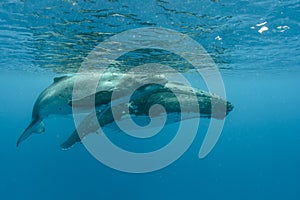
x=56, y=79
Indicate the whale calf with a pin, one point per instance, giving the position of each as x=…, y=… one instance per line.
x=57, y=99
x=164, y=96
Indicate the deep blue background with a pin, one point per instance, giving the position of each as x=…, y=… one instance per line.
x=257, y=155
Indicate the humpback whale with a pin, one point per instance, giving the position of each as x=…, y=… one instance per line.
x=164, y=96
x=57, y=99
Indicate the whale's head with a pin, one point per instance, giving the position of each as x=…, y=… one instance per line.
x=220, y=108
x=229, y=107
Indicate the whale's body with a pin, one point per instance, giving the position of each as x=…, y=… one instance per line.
x=59, y=97
x=167, y=96
x=86, y=91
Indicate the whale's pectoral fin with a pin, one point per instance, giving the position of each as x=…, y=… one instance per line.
x=74, y=138
x=36, y=126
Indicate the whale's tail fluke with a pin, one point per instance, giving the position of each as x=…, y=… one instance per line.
x=36, y=126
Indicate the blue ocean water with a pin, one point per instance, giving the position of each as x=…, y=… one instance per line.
x=254, y=44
